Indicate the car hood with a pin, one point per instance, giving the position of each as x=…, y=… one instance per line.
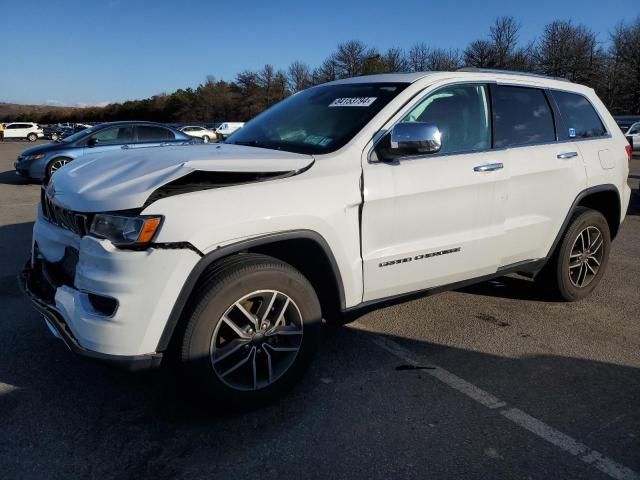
x=126, y=179
x=48, y=147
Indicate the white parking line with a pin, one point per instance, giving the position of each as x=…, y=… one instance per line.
x=517, y=416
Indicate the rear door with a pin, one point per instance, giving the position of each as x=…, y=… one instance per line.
x=435, y=219
x=582, y=128
x=153, y=136
x=545, y=175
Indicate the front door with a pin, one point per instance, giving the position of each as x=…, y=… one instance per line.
x=435, y=219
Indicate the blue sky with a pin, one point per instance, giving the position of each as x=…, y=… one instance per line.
x=91, y=52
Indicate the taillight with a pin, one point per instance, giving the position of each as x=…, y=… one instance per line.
x=629, y=150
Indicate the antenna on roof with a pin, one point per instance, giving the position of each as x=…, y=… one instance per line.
x=510, y=72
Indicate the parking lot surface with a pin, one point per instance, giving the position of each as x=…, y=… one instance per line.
x=492, y=381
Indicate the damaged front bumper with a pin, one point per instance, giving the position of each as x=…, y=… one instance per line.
x=105, y=303
x=59, y=328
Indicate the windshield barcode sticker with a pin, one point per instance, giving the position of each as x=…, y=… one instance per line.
x=353, y=102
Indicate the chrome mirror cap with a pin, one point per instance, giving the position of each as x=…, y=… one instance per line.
x=419, y=137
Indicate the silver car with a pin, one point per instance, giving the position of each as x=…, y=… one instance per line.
x=42, y=161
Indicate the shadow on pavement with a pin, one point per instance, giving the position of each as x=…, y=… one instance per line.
x=10, y=178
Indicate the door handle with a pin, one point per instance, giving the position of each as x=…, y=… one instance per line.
x=488, y=167
x=565, y=155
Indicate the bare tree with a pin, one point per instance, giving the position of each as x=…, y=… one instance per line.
x=570, y=51
x=624, y=67
x=504, y=35
x=326, y=72
x=396, y=60
x=350, y=57
x=418, y=57
x=480, y=54
x=444, y=60
x=299, y=76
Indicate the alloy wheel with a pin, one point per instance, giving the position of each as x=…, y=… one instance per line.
x=257, y=340
x=586, y=256
x=57, y=165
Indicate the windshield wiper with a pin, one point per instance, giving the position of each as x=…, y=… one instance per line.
x=258, y=144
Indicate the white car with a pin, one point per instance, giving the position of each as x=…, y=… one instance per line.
x=196, y=131
x=634, y=134
x=227, y=128
x=23, y=130
x=348, y=195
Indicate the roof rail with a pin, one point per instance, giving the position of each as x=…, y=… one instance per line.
x=511, y=72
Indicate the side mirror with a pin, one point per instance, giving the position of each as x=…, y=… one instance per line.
x=92, y=142
x=416, y=138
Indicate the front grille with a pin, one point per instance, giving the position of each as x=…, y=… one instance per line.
x=78, y=223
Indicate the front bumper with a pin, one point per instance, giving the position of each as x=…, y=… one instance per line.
x=59, y=328
x=66, y=271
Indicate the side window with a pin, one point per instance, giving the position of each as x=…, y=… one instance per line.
x=461, y=113
x=521, y=116
x=114, y=135
x=13, y=127
x=634, y=129
x=580, y=118
x=147, y=133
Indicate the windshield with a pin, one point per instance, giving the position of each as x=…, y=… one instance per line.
x=317, y=120
x=79, y=135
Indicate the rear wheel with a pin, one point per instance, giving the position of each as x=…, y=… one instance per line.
x=32, y=137
x=252, y=329
x=579, y=263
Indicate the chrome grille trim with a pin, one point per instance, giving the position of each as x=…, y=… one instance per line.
x=78, y=223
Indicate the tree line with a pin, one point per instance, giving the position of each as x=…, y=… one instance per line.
x=563, y=49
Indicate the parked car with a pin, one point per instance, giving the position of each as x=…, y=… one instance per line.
x=625, y=121
x=200, y=132
x=634, y=134
x=40, y=162
x=23, y=130
x=348, y=195
x=227, y=128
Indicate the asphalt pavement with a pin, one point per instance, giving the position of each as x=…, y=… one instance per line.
x=492, y=381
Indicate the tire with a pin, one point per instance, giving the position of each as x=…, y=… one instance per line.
x=54, y=137
x=574, y=271
x=205, y=138
x=239, y=362
x=32, y=137
x=55, y=164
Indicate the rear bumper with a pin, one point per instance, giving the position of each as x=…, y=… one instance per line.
x=56, y=323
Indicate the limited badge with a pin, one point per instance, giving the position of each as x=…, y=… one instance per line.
x=572, y=133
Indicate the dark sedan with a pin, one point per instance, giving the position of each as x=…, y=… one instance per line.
x=41, y=162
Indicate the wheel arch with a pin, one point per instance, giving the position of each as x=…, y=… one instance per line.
x=305, y=250
x=603, y=198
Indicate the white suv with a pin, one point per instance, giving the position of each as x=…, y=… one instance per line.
x=226, y=257
x=23, y=130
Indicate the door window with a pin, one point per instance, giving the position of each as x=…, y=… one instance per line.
x=115, y=135
x=148, y=133
x=580, y=118
x=461, y=114
x=521, y=116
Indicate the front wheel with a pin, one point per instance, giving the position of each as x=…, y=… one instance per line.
x=205, y=138
x=579, y=263
x=32, y=137
x=55, y=165
x=252, y=329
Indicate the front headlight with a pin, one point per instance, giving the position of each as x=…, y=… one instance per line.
x=123, y=230
x=37, y=156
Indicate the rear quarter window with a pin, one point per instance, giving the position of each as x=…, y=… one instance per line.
x=579, y=117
